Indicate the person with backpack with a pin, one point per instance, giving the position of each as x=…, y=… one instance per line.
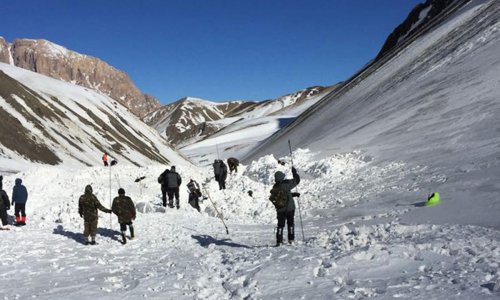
x=194, y=194
x=220, y=172
x=282, y=198
x=233, y=164
x=4, y=207
x=162, y=180
x=19, y=199
x=88, y=204
x=124, y=209
x=173, y=182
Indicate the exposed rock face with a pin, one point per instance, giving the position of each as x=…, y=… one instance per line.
x=47, y=58
x=190, y=119
x=420, y=15
x=4, y=51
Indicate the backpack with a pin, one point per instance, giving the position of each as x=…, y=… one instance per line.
x=279, y=196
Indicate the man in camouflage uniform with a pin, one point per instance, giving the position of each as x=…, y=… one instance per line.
x=87, y=208
x=233, y=164
x=124, y=209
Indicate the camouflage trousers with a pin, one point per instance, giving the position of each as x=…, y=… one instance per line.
x=89, y=228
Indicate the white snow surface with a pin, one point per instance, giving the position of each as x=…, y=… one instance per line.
x=424, y=122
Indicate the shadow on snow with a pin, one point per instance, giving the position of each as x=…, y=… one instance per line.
x=78, y=237
x=206, y=240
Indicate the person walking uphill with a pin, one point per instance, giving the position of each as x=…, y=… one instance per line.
x=124, y=209
x=4, y=206
x=88, y=204
x=282, y=198
x=220, y=172
x=194, y=194
x=173, y=181
x=19, y=199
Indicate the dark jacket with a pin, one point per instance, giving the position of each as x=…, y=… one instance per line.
x=88, y=205
x=220, y=170
x=162, y=178
x=124, y=209
x=19, y=193
x=287, y=185
x=233, y=162
x=4, y=201
x=172, y=180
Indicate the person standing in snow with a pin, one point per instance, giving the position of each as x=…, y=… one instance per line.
x=105, y=159
x=220, y=172
x=287, y=212
x=88, y=204
x=194, y=194
x=162, y=179
x=173, y=181
x=233, y=164
x=4, y=206
x=124, y=209
x=19, y=199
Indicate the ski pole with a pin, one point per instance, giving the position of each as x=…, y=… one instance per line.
x=110, y=217
x=298, y=202
x=216, y=210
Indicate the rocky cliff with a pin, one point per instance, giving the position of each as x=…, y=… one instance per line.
x=49, y=59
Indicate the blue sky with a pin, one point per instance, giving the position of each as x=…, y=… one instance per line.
x=216, y=50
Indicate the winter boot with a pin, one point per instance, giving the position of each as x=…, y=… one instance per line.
x=23, y=220
x=18, y=220
x=132, y=236
x=291, y=234
x=86, y=240
x=279, y=236
x=124, y=238
x=92, y=241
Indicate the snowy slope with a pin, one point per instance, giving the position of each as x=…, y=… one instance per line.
x=240, y=134
x=69, y=125
x=425, y=121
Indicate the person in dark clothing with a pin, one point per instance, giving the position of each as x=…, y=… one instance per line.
x=4, y=206
x=173, y=181
x=19, y=199
x=286, y=214
x=162, y=179
x=88, y=204
x=194, y=194
x=220, y=172
x=124, y=209
x=233, y=164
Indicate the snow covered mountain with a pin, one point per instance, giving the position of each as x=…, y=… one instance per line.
x=191, y=119
x=46, y=121
x=56, y=61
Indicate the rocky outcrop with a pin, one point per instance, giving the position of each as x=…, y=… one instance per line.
x=49, y=59
x=4, y=51
x=420, y=15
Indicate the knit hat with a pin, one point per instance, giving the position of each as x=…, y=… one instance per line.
x=121, y=191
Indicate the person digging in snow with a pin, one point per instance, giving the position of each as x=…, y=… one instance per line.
x=4, y=206
x=282, y=198
x=233, y=164
x=19, y=199
x=124, y=209
x=220, y=172
x=194, y=194
x=172, y=182
x=88, y=204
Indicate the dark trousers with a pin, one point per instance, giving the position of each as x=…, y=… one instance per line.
x=171, y=193
x=3, y=216
x=90, y=228
x=194, y=201
x=221, y=181
x=20, y=209
x=164, y=196
x=288, y=218
x=123, y=228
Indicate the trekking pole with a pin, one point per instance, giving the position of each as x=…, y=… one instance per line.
x=110, y=217
x=298, y=202
x=216, y=210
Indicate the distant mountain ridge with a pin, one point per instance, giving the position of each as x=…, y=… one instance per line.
x=189, y=120
x=47, y=121
x=47, y=58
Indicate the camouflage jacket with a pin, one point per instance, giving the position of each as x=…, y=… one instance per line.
x=124, y=209
x=88, y=206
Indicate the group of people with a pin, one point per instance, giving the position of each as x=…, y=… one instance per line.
x=123, y=206
x=19, y=199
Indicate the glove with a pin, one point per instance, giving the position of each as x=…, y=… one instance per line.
x=294, y=171
x=81, y=215
x=295, y=194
